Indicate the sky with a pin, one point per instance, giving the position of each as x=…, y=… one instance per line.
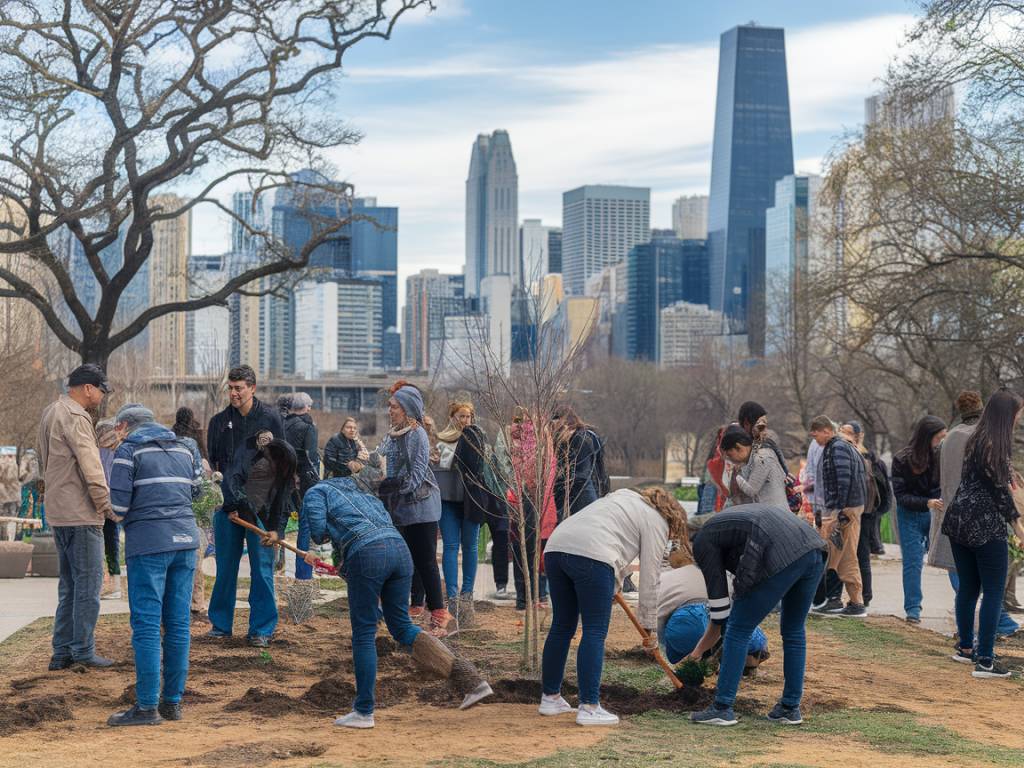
x=590, y=91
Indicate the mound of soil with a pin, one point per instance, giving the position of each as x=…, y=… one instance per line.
x=27, y=683
x=330, y=694
x=386, y=646
x=29, y=713
x=246, y=755
x=127, y=697
x=620, y=699
x=264, y=702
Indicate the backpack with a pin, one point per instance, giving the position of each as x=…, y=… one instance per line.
x=794, y=496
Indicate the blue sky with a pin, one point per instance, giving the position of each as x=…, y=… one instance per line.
x=590, y=91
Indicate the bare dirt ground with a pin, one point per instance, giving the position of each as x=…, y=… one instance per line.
x=246, y=707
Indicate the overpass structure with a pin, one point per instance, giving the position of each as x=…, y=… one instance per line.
x=351, y=394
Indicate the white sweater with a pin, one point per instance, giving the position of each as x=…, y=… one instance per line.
x=616, y=530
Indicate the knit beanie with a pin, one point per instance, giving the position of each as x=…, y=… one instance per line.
x=411, y=401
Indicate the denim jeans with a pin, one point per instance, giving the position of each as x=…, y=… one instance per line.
x=794, y=585
x=379, y=574
x=580, y=588
x=982, y=571
x=914, y=528
x=228, y=540
x=80, y=559
x=687, y=625
x=1006, y=626
x=457, y=531
x=303, y=570
x=160, y=593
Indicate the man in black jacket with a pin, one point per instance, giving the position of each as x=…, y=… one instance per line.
x=301, y=434
x=234, y=439
x=842, y=475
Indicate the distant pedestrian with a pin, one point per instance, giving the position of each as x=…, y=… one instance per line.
x=108, y=439
x=301, y=434
x=186, y=427
x=28, y=476
x=915, y=483
x=155, y=477
x=581, y=478
x=853, y=433
x=78, y=501
x=976, y=523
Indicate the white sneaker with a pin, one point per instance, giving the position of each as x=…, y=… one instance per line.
x=477, y=695
x=589, y=714
x=355, y=720
x=554, y=705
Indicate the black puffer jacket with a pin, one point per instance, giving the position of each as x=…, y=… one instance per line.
x=469, y=460
x=338, y=452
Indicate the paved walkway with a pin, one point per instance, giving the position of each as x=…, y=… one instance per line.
x=22, y=601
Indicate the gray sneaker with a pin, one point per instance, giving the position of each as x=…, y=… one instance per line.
x=715, y=715
x=786, y=715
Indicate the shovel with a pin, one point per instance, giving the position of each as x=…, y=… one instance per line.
x=320, y=565
x=669, y=673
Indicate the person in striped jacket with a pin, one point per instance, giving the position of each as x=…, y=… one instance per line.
x=152, y=483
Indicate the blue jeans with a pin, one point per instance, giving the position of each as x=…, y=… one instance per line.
x=303, y=570
x=914, y=528
x=160, y=593
x=228, y=540
x=687, y=625
x=580, y=588
x=1006, y=626
x=80, y=560
x=794, y=585
x=982, y=571
x=457, y=531
x=379, y=574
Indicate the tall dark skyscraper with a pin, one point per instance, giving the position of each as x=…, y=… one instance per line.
x=753, y=148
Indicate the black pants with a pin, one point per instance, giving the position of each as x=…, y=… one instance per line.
x=829, y=588
x=875, y=546
x=518, y=561
x=111, y=545
x=867, y=522
x=421, y=538
x=499, y=553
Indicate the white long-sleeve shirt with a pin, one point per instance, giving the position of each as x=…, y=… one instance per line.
x=616, y=530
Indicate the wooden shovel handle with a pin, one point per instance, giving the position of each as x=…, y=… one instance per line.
x=669, y=672
x=280, y=542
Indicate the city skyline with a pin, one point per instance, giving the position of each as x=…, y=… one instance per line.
x=421, y=102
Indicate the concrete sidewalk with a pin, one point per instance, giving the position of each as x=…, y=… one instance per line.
x=22, y=601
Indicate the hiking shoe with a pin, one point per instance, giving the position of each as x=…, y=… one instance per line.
x=913, y=619
x=258, y=641
x=439, y=621
x=135, y=716
x=477, y=695
x=467, y=610
x=990, y=668
x=853, y=610
x=217, y=634
x=554, y=705
x=965, y=657
x=170, y=710
x=97, y=662
x=831, y=606
x=355, y=720
x=786, y=715
x=714, y=715
x=58, y=663
x=595, y=714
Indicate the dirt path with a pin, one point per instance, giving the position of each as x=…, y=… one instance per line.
x=244, y=707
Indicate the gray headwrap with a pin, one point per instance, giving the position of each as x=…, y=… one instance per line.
x=411, y=401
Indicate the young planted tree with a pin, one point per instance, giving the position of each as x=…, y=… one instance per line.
x=106, y=105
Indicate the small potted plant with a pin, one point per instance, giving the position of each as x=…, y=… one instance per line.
x=691, y=674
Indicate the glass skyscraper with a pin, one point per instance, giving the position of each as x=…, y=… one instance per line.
x=753, y=148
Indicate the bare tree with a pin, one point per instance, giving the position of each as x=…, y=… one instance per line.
x=106, y=104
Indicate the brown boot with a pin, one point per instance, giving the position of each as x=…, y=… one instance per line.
x=467, y=611
x=439, y=621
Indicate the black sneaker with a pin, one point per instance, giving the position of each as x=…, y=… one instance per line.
x=853, y=610
x=57, y=664
x=990, y=668
x=834, y=605
x=169, y=711
x=786, y=715
x=99, y=662
x=135, y=716
x=965, y=657
x=714, y=715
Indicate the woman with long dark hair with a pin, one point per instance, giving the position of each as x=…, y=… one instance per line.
x=976, y=524
x=578, y=450
x=915, y=484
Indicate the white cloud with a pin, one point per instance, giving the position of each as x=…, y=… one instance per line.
x=444, y=10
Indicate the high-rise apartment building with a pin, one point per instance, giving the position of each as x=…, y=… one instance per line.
x=690, y=217
x=555, y=250
x=430, y=297
x=208, y=330
x=246, y=251
x=492, y=211
x=659, y=273
x=600, y=224
x=360, y=324
x=168, y=282
x=316, y=312
x=793, y=247
x=753, y=148
x=540, y=252
x=686, y=329
x=890, y=111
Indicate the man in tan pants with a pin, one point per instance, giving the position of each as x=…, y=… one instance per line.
x=841, y=476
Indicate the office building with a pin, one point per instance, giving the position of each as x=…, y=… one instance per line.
x=600, y=224
x=555, y=250
x=892, y=112
x=659, y=273
x=690, y=217
x=246, y=252
x=686, y=330
x=430, y=297
x=316, y=312
x=540, y=252
x=492, y=211
x=168, y=283
x=753, y=148
x=207, y=330
x=794, y=247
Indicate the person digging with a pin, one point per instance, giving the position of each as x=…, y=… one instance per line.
x=378, y=569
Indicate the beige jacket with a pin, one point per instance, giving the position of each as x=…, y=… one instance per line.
x=10, y=488
x=75, y=486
